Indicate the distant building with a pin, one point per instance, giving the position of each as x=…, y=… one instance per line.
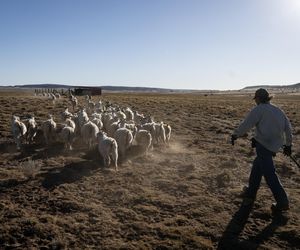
x=87, y=91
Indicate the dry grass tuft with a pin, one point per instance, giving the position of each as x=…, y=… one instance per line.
x=30, y=168
x=223, y=179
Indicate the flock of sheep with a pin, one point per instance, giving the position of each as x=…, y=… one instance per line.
x=113, y=128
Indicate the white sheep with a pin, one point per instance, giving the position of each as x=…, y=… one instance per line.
x=143, y=138
x=121, y=115
x=159, y=135
x=149, y=127
x=131, y=126
x=74, y=101
x=99, y=106
x=138, y=117
x=168, y=131
x=18, y=130
x=108, y=149
x=82, y=117
x=112, y=128
x=75, y=119
x=89, y=133
x=124, y=139
x=67, y=135
x=107, y=120
x=146, y=119
x=49, y=129
x=91, y=106
x=52, y=97
x=98, y=122
x=96, y=115
x=31, y=129
x=66, y=114
x=69, y=122
x=129, y=114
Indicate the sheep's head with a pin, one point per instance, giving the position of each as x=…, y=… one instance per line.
x=15, y=118
x=32, y=119
x=101, y=134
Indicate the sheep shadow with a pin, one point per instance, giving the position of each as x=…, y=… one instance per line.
x=11, y=183
x=92, y=154
x=8, y=147
x=134, y=151
x=38, y=151
x=70, y=173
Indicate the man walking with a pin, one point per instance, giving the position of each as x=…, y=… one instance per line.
x=272, y=131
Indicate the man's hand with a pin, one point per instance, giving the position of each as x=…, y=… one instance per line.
x=287, y=150
x=253, y=143
x=233, y=138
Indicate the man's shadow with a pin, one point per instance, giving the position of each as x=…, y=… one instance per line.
x=230, y=238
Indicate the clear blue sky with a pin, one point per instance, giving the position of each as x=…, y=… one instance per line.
x=180, y=44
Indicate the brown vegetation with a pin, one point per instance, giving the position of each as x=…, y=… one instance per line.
x=183, y=196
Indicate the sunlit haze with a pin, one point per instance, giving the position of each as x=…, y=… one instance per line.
x=179, y=44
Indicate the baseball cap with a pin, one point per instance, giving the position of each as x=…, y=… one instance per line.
x=262, y=94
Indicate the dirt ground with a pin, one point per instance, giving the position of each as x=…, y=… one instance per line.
x=181, y=196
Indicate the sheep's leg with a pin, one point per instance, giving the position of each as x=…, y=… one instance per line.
x=106, y=161
x=145, y=150
x=18, y=142
x=122, y=154
x=30, y=139
x=116, y=164
x=163, y=139
x=46, y=140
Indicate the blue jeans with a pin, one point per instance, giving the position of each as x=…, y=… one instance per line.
x=263, y=166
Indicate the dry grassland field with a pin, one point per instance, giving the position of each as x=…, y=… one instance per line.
x=185, y=195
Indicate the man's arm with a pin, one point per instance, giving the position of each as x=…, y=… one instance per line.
x=250, y=121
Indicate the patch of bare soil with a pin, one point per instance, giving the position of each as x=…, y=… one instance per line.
x=181, y=196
